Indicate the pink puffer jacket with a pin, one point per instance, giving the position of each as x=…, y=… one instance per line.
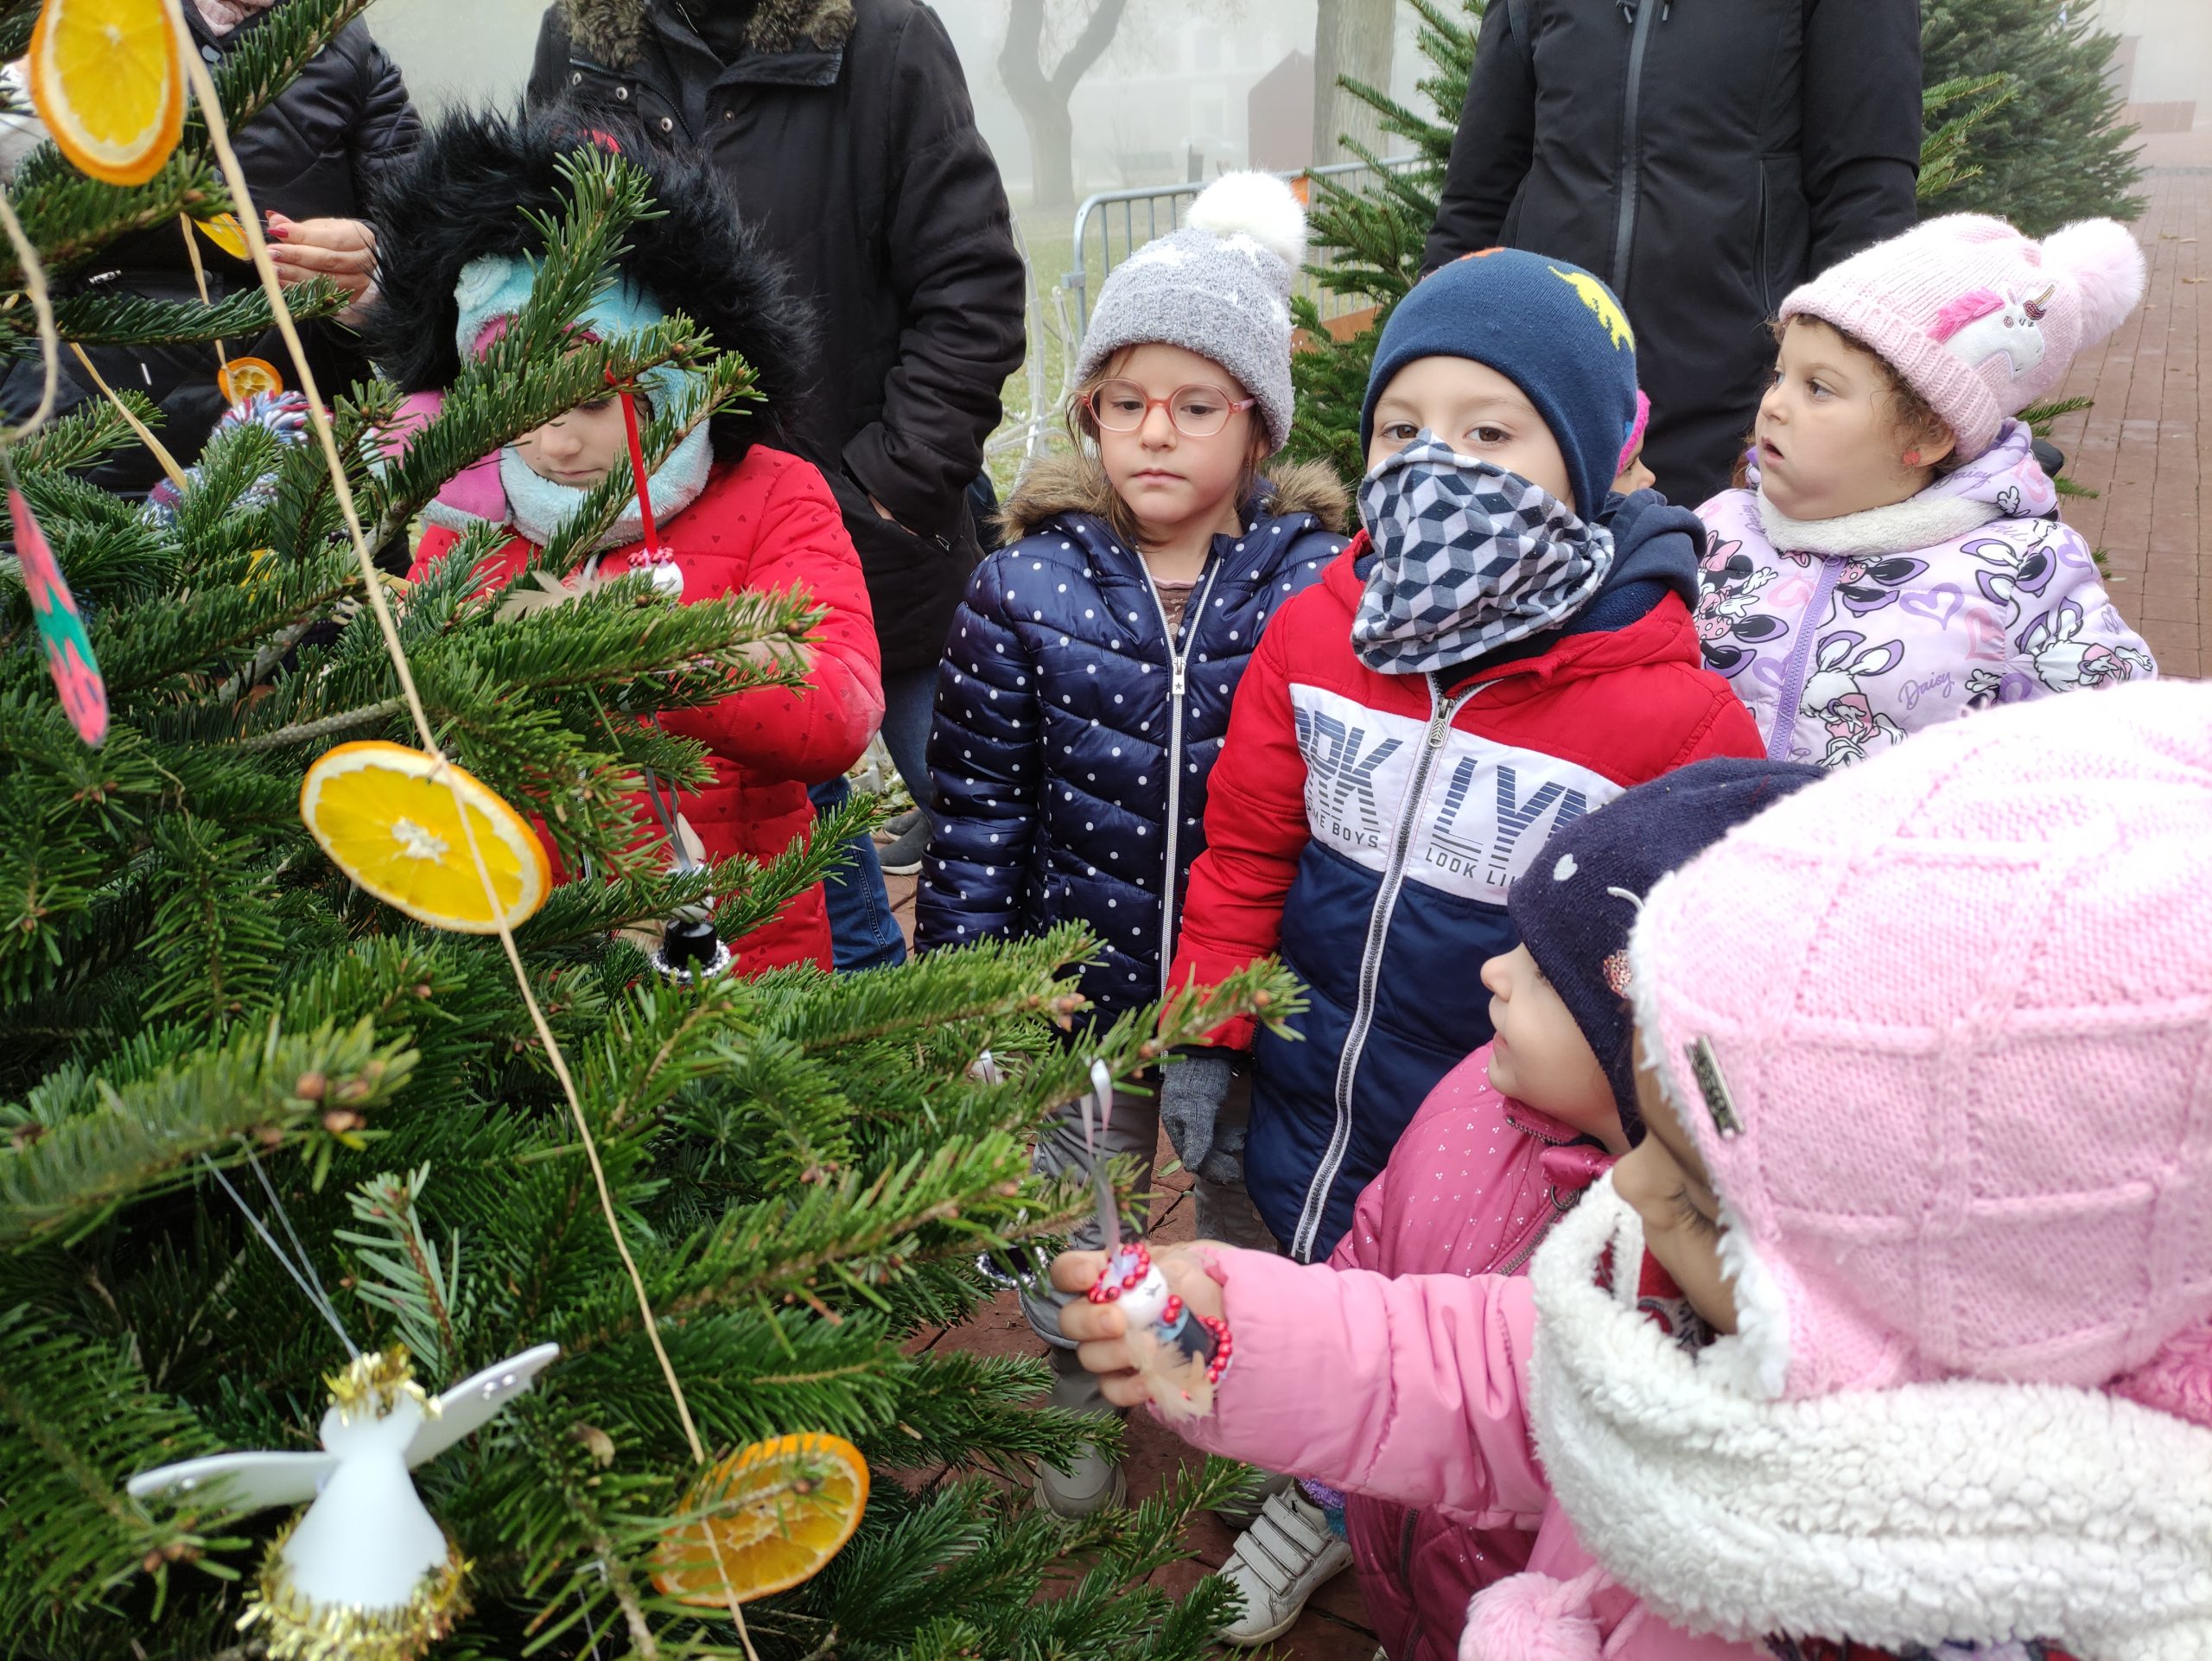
x=1474, y=1183
x=1426, y=1381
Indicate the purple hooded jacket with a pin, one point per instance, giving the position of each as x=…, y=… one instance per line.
x=1843, y=635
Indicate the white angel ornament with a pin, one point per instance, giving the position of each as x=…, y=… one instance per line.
x=365, y=1574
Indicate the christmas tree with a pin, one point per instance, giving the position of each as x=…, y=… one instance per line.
x=2026, y=134
x=2052, y=152
x=256, y=1120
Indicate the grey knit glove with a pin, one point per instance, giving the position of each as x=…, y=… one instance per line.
x=1192, y=1092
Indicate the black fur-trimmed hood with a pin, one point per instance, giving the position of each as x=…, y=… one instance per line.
x=461, y=196
x=612, y=31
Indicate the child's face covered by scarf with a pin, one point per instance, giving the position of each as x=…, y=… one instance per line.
x=1663, y=1178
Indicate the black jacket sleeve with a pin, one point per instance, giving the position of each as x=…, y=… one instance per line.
x=950, y=254
x=1862, y=122
x=386, y=128
x=549, y=66
x=1491, y=151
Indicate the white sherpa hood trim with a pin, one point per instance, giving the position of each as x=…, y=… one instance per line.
x=1964, y=1511
x=1923, y=521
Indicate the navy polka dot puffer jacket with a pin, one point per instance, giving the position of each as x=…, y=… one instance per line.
x=1073, y=739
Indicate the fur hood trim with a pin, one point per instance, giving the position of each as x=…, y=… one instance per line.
x=463, y=194
x=612, y=31
x=1076, y=484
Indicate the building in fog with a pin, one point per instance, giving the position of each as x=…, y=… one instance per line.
x=2164, y=67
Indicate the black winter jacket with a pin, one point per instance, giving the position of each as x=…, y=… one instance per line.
x=1703, y=158
x=315, y=152
x=845, y=130
x=1069, y=760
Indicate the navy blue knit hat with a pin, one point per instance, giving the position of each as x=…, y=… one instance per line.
x=1577, y=927
x=1551, y=328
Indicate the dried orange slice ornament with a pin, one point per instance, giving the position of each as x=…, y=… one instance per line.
x=242, y=379
x=387, y=817
x=779, y=1511
x=107, y=81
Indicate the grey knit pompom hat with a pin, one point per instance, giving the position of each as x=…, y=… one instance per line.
x=1219, y=286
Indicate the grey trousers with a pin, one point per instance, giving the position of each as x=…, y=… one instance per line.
x=1132, y=1131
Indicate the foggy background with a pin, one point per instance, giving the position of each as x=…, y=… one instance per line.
x=1179, y=77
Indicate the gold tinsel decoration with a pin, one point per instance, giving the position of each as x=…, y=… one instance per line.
x=377, y=1382
x=293, y=1628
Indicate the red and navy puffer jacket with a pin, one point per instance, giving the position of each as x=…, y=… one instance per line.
x=1073, y=741
x=1368, y=827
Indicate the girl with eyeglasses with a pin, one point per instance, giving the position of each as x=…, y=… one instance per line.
x=1086, y=684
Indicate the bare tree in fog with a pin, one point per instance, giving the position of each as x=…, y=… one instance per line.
x=1041, y=95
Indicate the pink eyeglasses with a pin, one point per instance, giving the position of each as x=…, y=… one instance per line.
x=1123, y=406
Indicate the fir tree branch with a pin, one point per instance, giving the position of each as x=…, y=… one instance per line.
x=310, y=732
x=100, y=1144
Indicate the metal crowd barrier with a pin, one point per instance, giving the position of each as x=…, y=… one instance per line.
x=1141, y=215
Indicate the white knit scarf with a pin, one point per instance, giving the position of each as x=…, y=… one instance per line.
x=1963, y=1510
x=1923, y=521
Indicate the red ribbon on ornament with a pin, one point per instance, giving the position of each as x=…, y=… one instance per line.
x=651, y=535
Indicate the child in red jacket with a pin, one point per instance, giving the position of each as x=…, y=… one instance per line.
x=731, y=513
x=1506, y=647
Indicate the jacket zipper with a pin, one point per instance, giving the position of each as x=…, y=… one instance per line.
x=1793, y=677
x=1632, y=149
x=1179, y=663
x=1414, y=1634
x=1551, y=1199
x=1442, y=710
x=1766, y=265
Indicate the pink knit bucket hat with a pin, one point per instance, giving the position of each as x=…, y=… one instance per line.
x=1979, y=320
x=1941, y=1026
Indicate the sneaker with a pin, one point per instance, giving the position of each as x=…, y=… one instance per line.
x=1278, y=1562
x=897, y=826
x=1092, y=1482
x=1242, y=1511
x=902, y=854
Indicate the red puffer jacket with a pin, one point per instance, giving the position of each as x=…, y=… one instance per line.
x=767, y=522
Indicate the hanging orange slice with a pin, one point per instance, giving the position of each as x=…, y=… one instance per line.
x=241, y=378
x=226, y=233
x=387, y=817
x=779, y=1511
x=106, y=79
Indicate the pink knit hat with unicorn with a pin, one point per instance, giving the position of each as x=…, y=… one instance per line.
x=1941, y=1026
x=1979, y=320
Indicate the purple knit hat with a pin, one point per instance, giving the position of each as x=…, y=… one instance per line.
x=1979, y=320
x=1574, y=909
x=1940, y=1028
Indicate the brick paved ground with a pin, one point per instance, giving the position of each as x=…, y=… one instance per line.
x=2146, y=447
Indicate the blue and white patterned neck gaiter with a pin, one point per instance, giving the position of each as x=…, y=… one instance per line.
x=1469, y=558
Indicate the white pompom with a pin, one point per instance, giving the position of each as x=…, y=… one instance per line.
x=1254, y=205
x=2106, y=263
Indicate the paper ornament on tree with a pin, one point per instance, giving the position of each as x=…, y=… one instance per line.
x=60, y=630
x=365, y=1573
x=224, y=231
